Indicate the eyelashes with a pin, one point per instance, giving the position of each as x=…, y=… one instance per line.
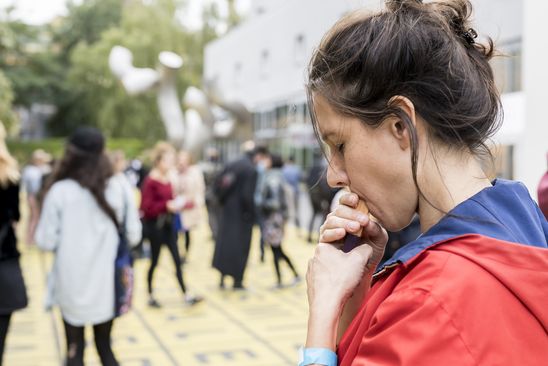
x=340, y=148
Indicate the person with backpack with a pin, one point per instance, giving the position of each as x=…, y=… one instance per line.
x=274, y=211
x=84, y=207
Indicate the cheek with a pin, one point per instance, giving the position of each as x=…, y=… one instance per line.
x=385, y=179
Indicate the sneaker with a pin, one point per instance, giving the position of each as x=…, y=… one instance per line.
x=153, y=303
x=193, y=300
x=239, y=288
x=296, y=281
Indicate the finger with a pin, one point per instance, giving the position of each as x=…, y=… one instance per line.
x=332, y=235
x=334, y=222
x=349, y=199
x=376, y=233
x=351, y=214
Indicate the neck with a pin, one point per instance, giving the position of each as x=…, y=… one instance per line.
x=159, y=174
x=452, y=179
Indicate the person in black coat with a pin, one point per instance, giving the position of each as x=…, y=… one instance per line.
x=12, y=287
x=234, y=188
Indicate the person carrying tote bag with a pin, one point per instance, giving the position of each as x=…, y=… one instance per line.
x=83, y=201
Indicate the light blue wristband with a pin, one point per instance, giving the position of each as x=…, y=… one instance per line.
x=317, y=356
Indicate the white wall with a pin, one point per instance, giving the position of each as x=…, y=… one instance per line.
x=282, y=79
x=530, y=155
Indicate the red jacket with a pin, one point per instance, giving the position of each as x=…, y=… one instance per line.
x=154, y=198
x=467, y=299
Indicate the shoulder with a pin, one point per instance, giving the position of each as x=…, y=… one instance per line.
x=63, y=186
x=441, y=273
x=118, y=183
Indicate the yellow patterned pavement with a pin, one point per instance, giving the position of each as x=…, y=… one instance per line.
x=259, y=327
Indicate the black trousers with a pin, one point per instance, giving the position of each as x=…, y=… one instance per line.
x=76, y=344
x=4, y=325
x=160, y=232
x=187, y=241
x=279, y=254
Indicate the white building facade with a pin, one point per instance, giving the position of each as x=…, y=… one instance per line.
x=262, y=63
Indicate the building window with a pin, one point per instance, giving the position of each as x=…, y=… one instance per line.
x=264, y=64
x=507, y=68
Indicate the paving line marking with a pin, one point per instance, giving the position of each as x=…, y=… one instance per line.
x=155, y=336
x=249, y=331
x=51, y=314
x=245, y=328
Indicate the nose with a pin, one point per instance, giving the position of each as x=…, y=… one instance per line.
x=336, y=175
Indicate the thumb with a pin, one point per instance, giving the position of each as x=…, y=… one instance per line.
x=376, y=234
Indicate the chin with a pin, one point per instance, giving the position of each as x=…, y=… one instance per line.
x=395, y=224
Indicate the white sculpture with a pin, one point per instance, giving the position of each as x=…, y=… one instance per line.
x=206, y=114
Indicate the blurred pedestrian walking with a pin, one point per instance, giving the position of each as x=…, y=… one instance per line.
x=32, y=179
x=292, y=174
x=321, y=194
x=158, y=208
x=190, y=186
x=235, y=189
x=274, y=210
x=260, y=155
x=211, y=168
x=12, y=287
x=84, y=207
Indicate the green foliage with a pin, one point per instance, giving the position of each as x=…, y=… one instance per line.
x=22, y=150
x=7, y=117
x=66, y=62
x=97, y=98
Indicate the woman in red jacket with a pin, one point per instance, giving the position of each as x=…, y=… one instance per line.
x=158, y=207
x=405, y=101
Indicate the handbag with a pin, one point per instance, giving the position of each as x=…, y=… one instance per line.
x=123, y=271
x=12, y=284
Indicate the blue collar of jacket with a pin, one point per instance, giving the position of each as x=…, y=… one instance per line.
x=504, y=211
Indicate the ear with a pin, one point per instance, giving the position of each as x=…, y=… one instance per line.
x=398, y=128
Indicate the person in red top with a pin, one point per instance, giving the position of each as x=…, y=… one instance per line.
x=158, y=207
x=404, y=99
x=542, y=193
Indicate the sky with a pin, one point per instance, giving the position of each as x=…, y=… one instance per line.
x=42, y=11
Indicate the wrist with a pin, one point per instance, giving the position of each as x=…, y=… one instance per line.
x=322, y=328
x=317, y=356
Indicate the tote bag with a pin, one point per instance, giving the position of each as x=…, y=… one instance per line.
x=123, y=271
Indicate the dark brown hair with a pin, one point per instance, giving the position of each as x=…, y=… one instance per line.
x=425, y=52
x=90, y=170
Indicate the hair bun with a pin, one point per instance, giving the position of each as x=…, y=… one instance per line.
x=395, y=5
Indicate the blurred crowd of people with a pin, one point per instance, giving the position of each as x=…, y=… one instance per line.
x=81, y=205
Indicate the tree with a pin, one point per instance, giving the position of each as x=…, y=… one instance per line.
x=7, y=117
x=65, y=63
x=145, y=29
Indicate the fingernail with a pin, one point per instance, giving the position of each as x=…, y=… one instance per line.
x=353, y=225
x=363, y=219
